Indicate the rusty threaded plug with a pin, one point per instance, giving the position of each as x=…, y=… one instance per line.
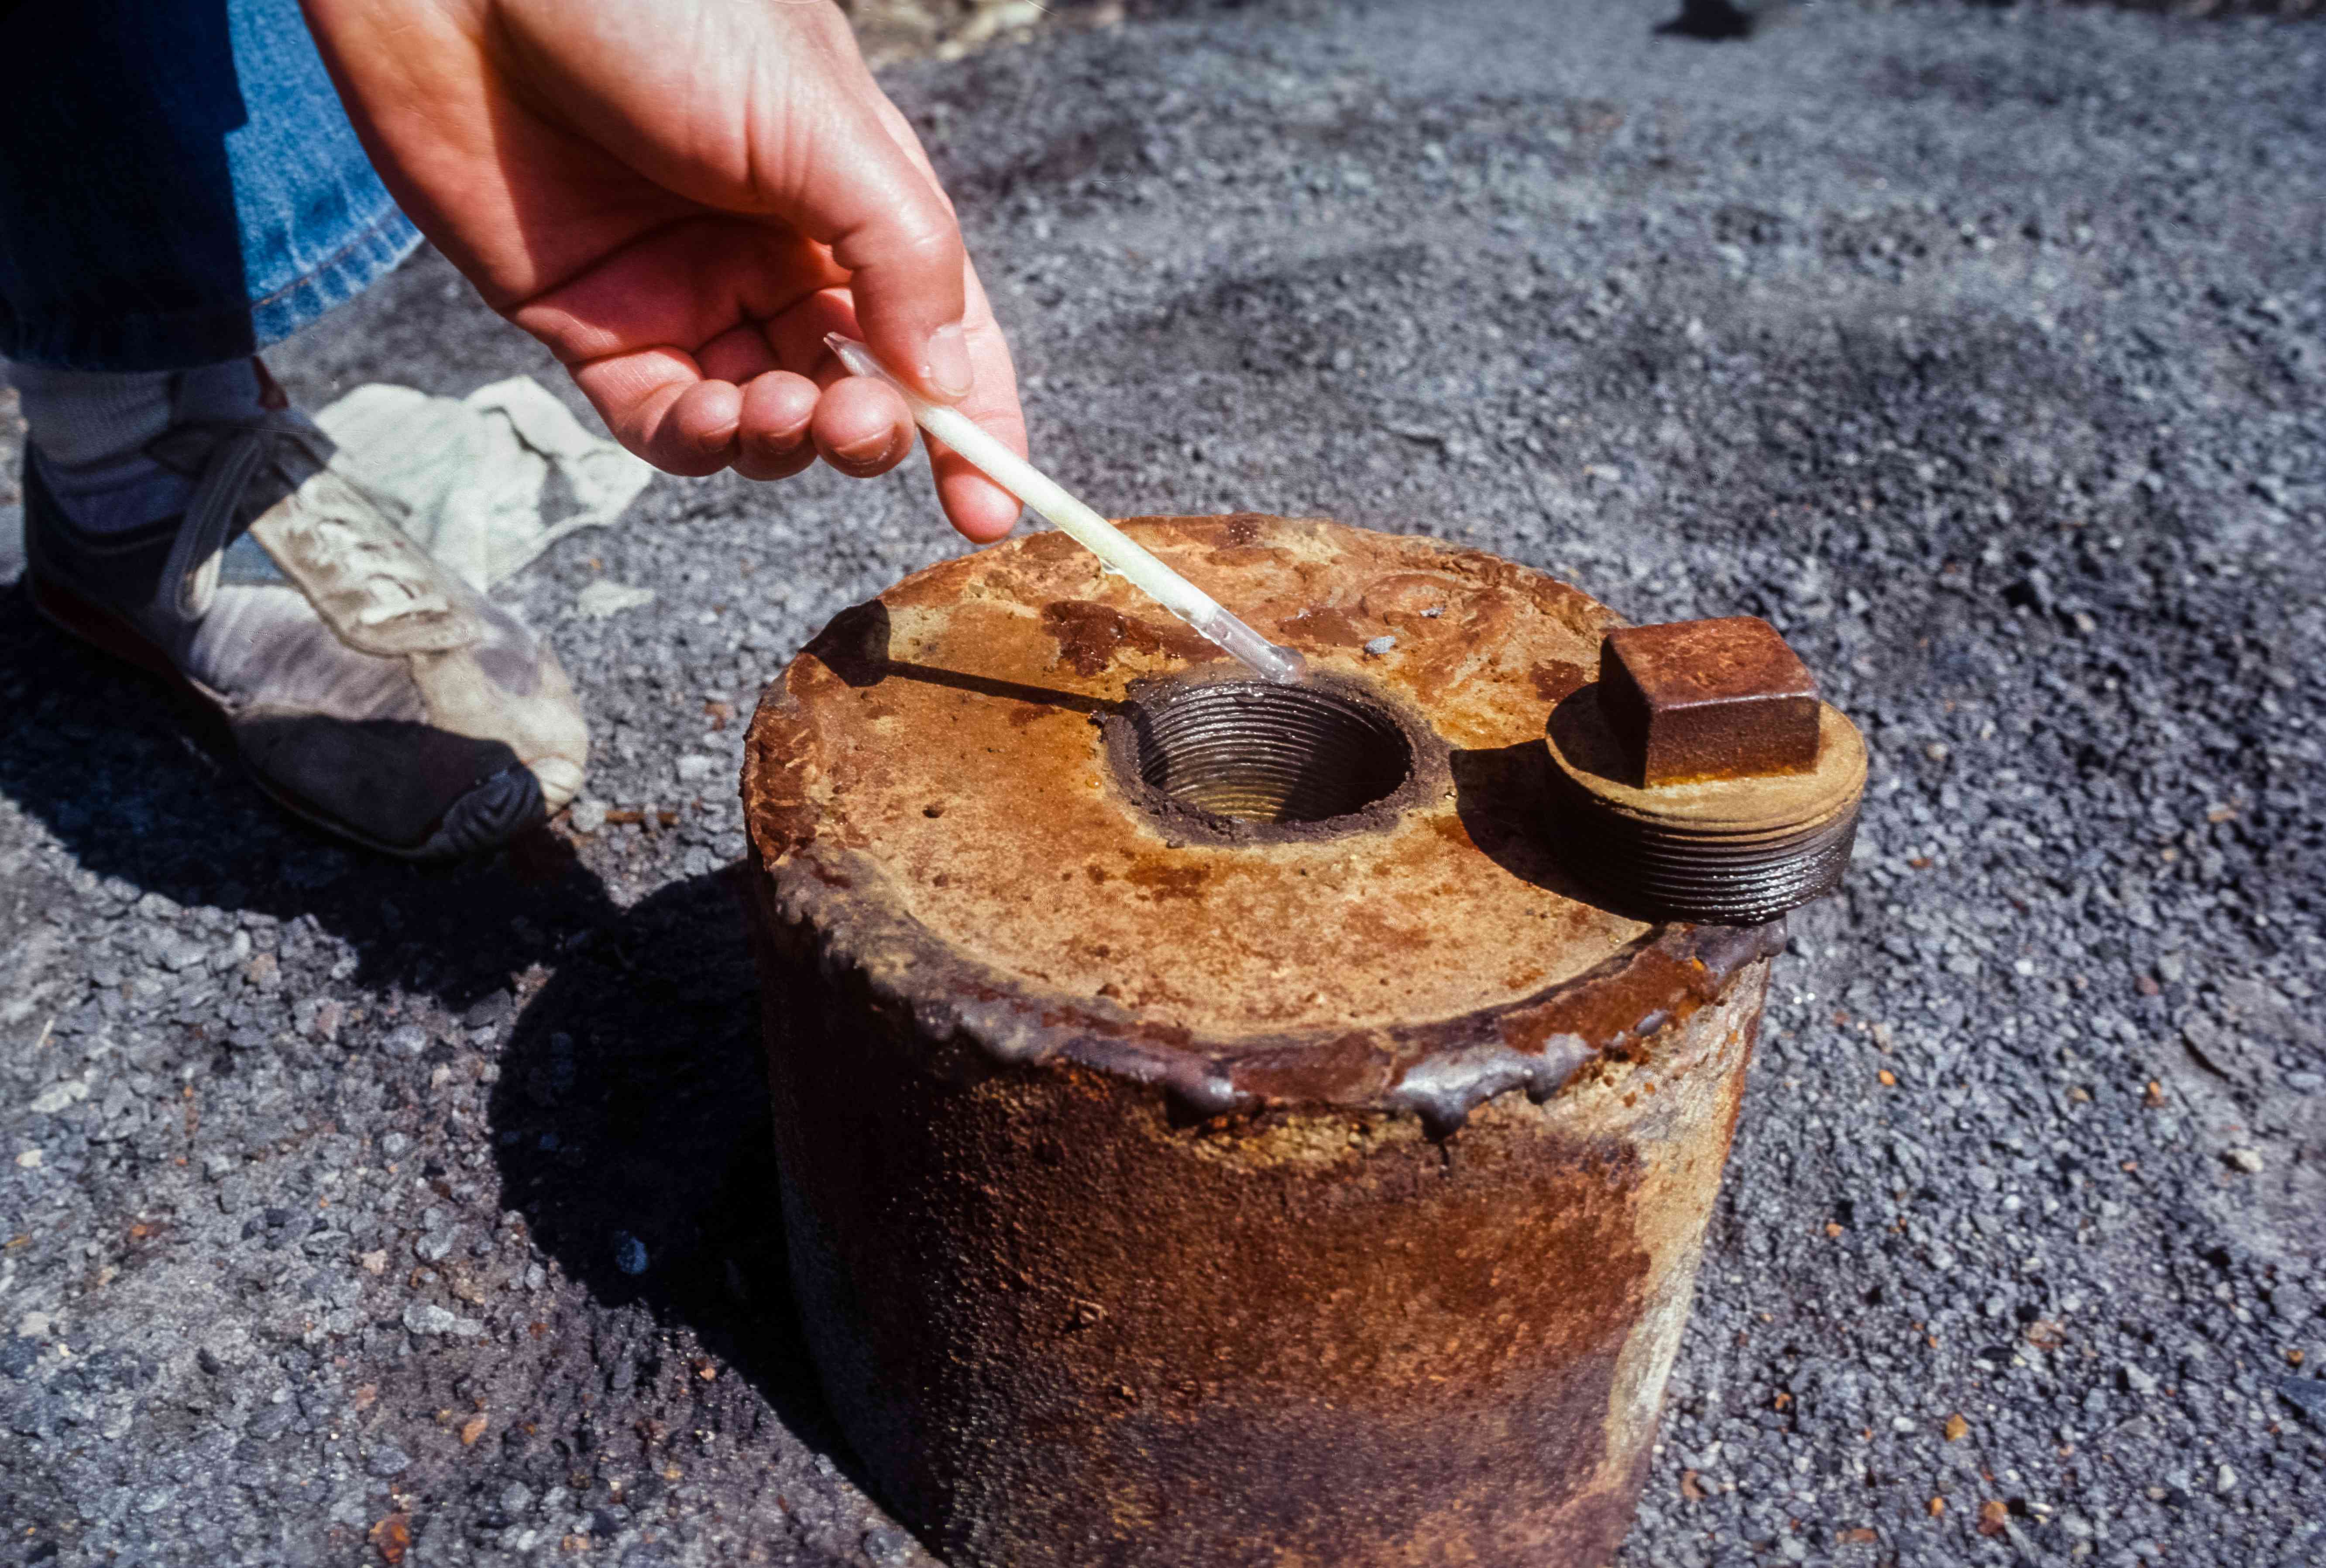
x=1708, y=699
x=1710, y=782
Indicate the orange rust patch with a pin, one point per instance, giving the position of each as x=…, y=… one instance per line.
x=1325, y=625
x=1165, y=881
x=1089, y=635
x=1232, y=560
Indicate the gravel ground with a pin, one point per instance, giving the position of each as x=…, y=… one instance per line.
x=353, y=1211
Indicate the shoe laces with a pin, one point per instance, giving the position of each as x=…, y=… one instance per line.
x=286, y=444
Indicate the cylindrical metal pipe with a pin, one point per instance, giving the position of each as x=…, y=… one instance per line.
x=1168, y=1185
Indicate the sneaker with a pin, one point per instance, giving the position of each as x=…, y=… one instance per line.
x=368, y=688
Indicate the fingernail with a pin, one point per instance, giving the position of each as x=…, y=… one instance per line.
x=871, y=449
x=947, y=371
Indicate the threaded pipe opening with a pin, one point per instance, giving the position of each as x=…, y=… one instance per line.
x=1255, y=752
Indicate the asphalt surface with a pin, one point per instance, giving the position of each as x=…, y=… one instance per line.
x=353, y=1210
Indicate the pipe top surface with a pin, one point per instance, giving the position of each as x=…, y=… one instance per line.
x=930, y=787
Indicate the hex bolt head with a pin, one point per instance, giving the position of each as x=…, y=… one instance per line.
x=1708, y=699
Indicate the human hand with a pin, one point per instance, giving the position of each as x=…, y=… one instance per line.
x=680, y=198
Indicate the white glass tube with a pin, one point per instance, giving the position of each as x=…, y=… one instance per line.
x=1094, y=533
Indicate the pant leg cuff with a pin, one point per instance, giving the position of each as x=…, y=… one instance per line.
x=179, y=341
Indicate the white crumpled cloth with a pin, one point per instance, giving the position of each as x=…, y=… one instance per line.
x=484, y=482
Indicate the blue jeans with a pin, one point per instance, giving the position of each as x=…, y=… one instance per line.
x=178, y=184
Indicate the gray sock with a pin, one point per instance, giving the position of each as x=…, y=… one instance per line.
x=88, y=430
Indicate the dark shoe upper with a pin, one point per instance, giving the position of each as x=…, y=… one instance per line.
x=369, y=688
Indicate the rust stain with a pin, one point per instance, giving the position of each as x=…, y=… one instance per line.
x=1615, y=1008
x=1725, y=698
x=1295, y=1304
x=1354, y=1064
x=777, y=768
x=1165, y=881
x=1226, y=530
x=1089, y=635
x=1555, y=680
x=1325, y=625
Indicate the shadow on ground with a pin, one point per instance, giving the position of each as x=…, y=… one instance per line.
x=631, y=1128
x=143, y=786
x=629, y=1122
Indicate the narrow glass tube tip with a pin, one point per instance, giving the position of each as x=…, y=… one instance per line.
x=1286, y=668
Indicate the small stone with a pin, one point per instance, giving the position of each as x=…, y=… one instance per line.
x=2138, y=1381
x=2307, y=1394
x=694, y=768
x=2246, y=1159
x=56, y=1096
x=2225, y=1480
x=30, y=1159
x=629, y=1253
x=178, y=953
x=318, y=1018
x=1957, y=1428
x=888, y=1544
x=586, y=815
x=392, y=1538
x=1379, y=646
x=428, y=1318
x=407, y=1039
x=388, y=1459
x=604, y=598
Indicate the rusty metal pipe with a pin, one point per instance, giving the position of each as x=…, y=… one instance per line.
x=1298, y=1168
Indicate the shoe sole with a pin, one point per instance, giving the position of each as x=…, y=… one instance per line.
x=107, y=633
